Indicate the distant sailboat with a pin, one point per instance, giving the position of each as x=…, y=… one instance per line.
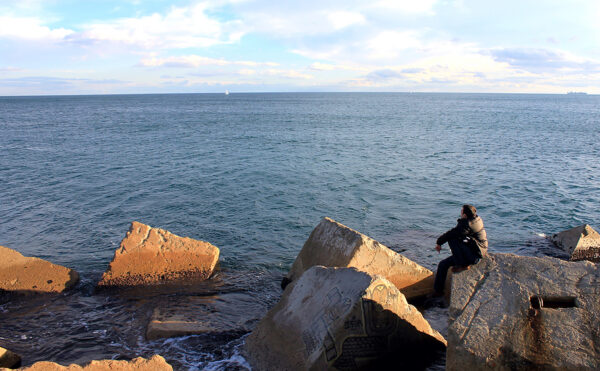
x=226, y=92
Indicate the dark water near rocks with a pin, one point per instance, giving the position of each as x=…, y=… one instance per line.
x=253, y=174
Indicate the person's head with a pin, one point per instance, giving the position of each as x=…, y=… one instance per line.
x=469, y=211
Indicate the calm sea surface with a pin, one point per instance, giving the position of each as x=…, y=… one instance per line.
x=253, y=174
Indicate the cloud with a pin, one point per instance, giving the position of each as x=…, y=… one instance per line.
x=343, y=19
x=194, y=61
x=30, y=28
x=184, y=27
x=318, y=66
x=301, y=20
x=55, y=85
x=412, y=70
x=289, y=74
x=9, y=69
x=382, y=75
x=389, y=44
x=407, y=6
x=536, y=60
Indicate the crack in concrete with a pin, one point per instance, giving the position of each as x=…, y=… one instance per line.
x=468, y=327
x=478, y=285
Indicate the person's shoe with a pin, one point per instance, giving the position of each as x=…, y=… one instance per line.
x=457, y=269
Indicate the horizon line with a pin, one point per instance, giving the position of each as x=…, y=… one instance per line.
x=575, y=93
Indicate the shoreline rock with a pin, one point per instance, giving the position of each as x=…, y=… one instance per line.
x=342, y=318
x=149, y=256
x=332, y=244
x=155, y=363
x=582, y=243
x=9, y=359
x=516, y=312
x=29, y=275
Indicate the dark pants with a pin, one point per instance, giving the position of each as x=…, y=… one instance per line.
x=461, y=256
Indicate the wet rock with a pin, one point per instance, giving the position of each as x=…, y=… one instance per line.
x=156, y=363
x=520, y=313
x=195, y=315
x=332, y=244
x=9, y=359
x=23, y=275
x=342, y=318
x=582, y=243
x=149, y=256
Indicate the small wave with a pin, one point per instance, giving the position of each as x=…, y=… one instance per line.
x=235, y=362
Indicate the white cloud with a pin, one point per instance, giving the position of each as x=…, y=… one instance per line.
x=9, y=69
x=388, y=44
x=191, y=61
x=247, y=72
x=318, y=66
x=406, y=6
x=343, y=19
x=184, y=27
x=30, y=28
x=291, y=74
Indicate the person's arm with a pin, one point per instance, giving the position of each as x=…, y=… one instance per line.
x=460, y=231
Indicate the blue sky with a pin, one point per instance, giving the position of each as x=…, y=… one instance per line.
x=134, y=46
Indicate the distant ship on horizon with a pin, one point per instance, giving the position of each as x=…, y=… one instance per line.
x=226, y=92
x=576, y=93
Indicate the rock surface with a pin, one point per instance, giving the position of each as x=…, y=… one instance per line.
x=345, y=319
x=156, y=363
x=498, y=322
x=21, y=274
x=332, y=244
x=582, y=243
x=9, y=359
x=149, y=256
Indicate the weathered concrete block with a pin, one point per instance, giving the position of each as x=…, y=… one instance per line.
x=156, y=363
x=582, y=243
x=341, y=318
x=9, y=359
x=193, y=315
x=521, y=313
x=332, y=244
x=23, y=275
x=149, y=256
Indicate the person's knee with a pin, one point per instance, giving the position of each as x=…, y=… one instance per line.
x=445, y=263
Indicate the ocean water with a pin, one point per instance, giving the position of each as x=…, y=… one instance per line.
x=253, y=174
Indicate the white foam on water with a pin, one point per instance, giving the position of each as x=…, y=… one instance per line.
x=543, y=235
x=236, y=360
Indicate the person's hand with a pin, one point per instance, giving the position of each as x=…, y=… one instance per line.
x=438, y=248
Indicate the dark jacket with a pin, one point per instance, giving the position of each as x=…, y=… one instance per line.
x=467, y=229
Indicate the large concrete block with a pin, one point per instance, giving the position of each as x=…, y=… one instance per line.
x=156, y=363
x=582, y=243
x=22, y=275
x=149, y=256
x=182, y=315
x=9, y=359
x=332, y=244
x=342, y=318
x=521, y=313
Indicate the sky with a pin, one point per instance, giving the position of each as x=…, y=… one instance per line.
x=52, y=47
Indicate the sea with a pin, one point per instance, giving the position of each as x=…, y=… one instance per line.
x=253, y=174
